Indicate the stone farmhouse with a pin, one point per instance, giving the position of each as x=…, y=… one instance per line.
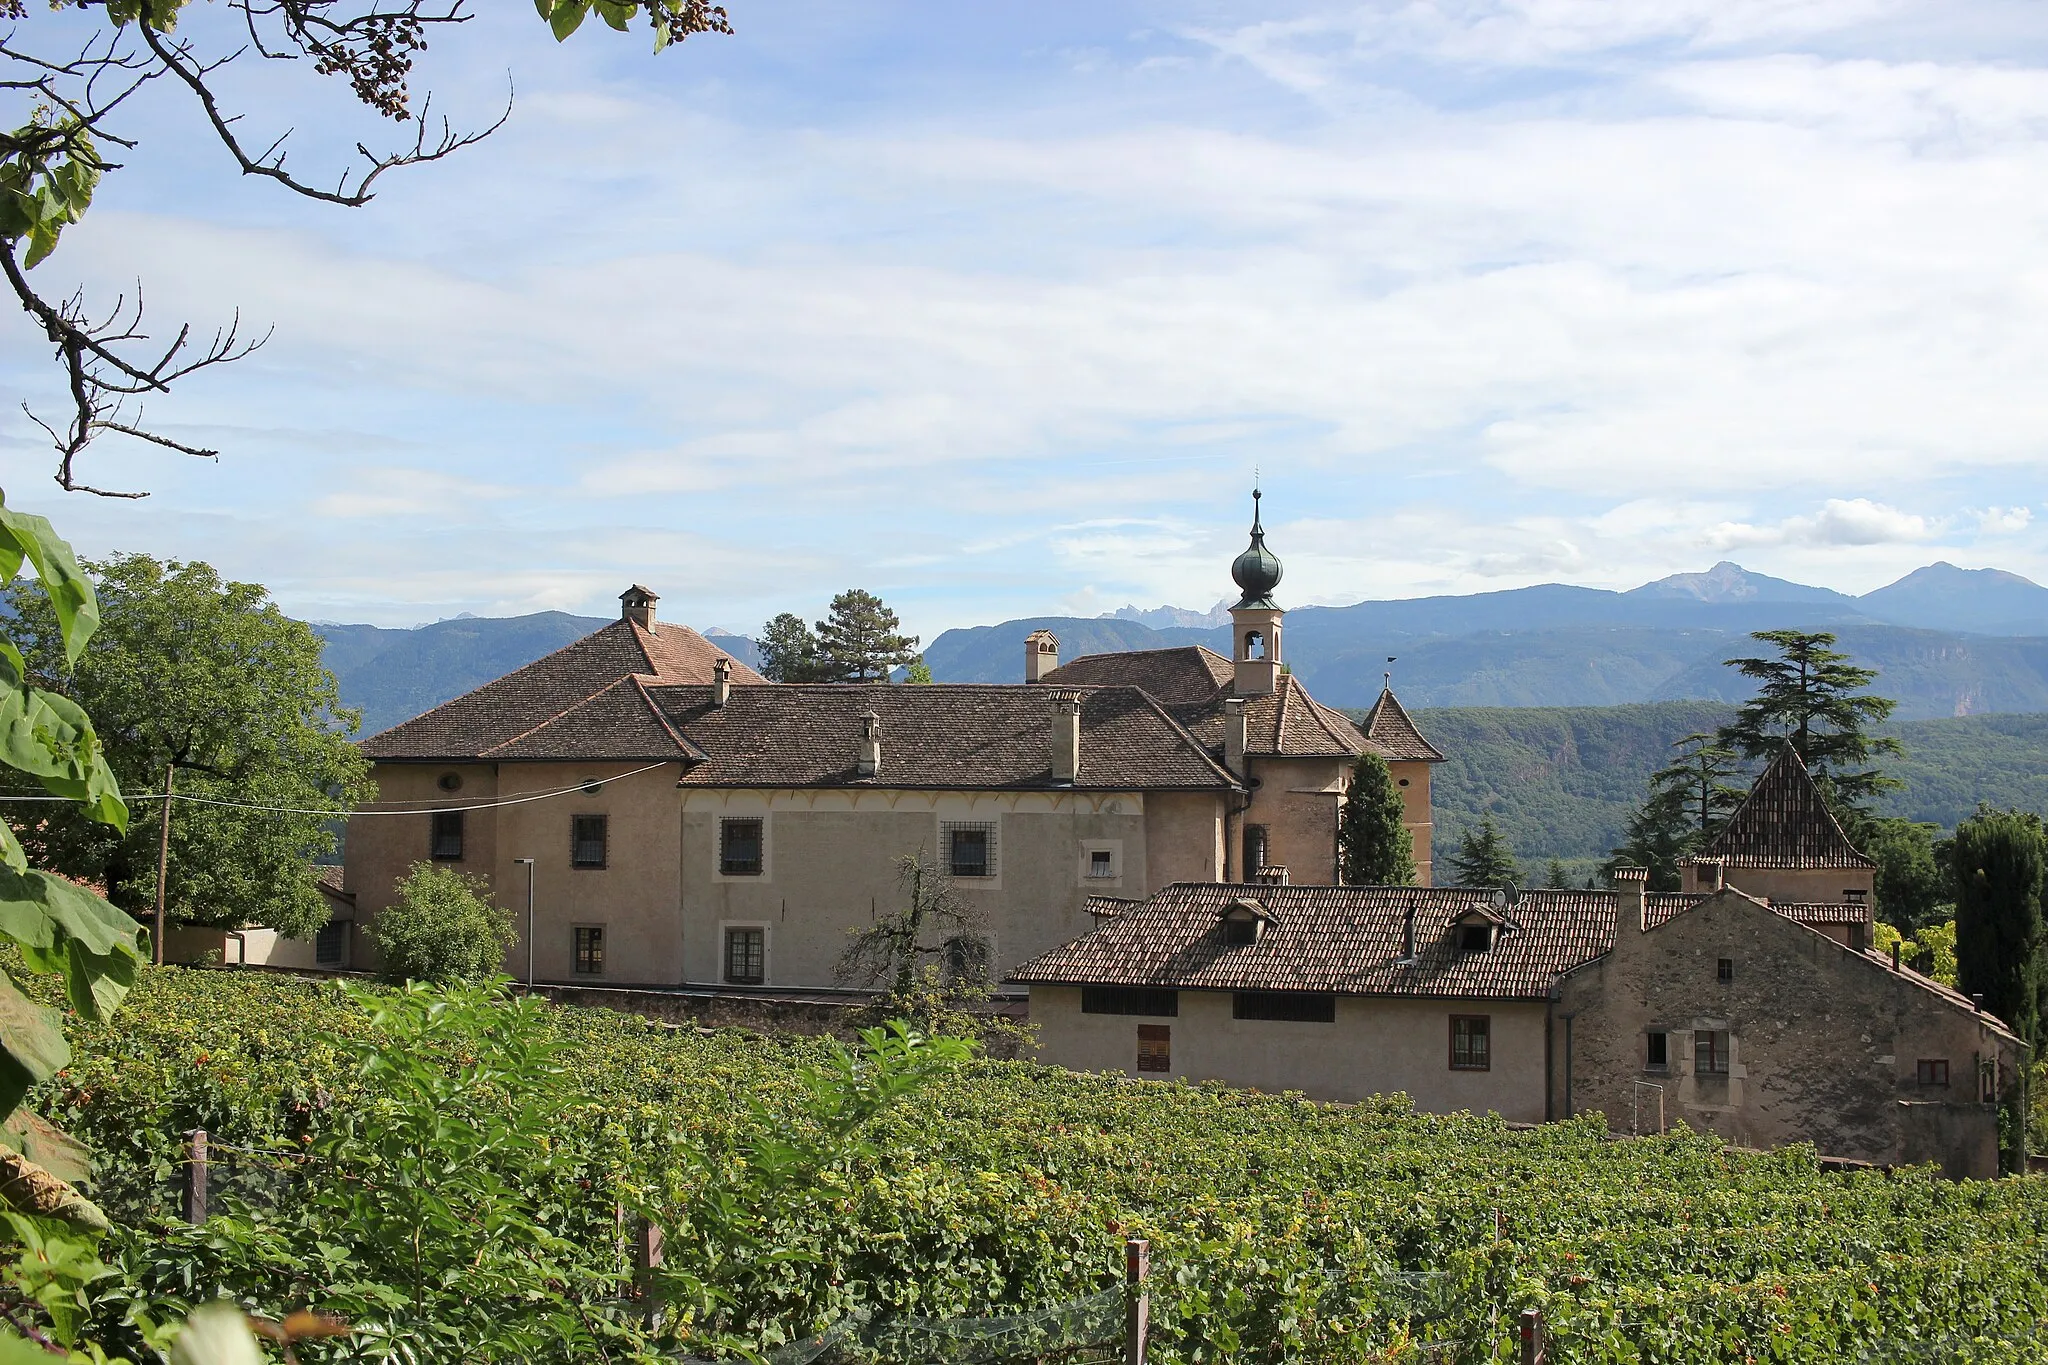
x=685, y=822
x=1765, y=1022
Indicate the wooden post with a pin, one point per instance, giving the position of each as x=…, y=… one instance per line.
x=646, y=1249
x=163, y=871
x=195, y=1179
x=1137, y=1308
x=1532, y=1336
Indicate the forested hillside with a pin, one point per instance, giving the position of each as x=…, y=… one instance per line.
x=1560, y=781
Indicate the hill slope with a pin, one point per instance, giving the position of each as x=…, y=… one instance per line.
x=393, y=675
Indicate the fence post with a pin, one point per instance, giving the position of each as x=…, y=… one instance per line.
x=1137, y=1306
x=1532, y=1336
x=646, y=1249
x=195, y=1178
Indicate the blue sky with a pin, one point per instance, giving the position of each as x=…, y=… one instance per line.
x=994, y=310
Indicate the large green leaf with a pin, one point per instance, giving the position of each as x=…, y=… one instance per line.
x=69, y=590
x=32, y=1034
x=50, y=738
x=217, y=1333
x=49, y=1146
x=62, y=909
x=97, y=983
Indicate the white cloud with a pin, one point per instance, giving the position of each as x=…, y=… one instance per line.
x=2004, y=521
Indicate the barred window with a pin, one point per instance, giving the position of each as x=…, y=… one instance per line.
x=1710, y=1052
x=447, y=836
x=330, y=943
x=1130, y=1000
x=739, y=848
x=589, y=950
x=746, y=956
x=1101, y=863
x=970, y=848
x=587, y=840
x=1471, y=1042
x=1155, y=1047
x=1294, y=1007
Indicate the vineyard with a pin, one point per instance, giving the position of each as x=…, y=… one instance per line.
x=1280, y=1229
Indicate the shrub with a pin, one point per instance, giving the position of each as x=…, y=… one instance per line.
x=443, y=928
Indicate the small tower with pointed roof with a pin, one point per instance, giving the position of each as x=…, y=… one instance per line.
x=636, y=604
x=1255, y=620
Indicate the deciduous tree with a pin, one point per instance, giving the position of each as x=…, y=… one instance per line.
x=789, y=651
x=207, y=675
x=1811, y=694
x=1374, y=847
x=933, y=928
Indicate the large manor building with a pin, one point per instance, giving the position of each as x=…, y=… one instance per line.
x=676, y=819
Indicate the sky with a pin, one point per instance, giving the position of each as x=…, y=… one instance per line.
x=995, y=310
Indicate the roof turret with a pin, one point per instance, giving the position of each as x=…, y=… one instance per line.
x=1256, y=571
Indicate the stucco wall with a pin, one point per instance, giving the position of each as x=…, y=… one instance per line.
x=1375, y=1046
x=1297, y=800
x=1791, y=885
x=1183, y=839
x=1412, y=780
x=1823, y=1042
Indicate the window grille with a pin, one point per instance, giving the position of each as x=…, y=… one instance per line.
x=746, y=957
x=1710, y=1052
x=587, y=840
x=1130, y=1000
x=1933, y=1071
x=1294, y=1007
x=1657, y=1050
x=448, y=836
x=739, y=848
x=1155, y=1047
x=330, y=943
x=1101, y=863
x=970, y=848
x=1471, y=1042
x=589, y=950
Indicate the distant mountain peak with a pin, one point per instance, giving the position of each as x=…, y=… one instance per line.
x=1728, y=581
x=1160, y=618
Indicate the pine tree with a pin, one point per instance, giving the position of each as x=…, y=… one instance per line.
x=1812, y=695
x=789, y=652
x=1554, y=877
x=858, y=641
x=1658, y=835
x=1997, y=861
x=1484, y=858
x=1374, y=847
x=1701, y=771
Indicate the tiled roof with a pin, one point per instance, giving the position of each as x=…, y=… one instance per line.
x=946, y=735
x=1192, y=682
x=1103, y=907
x=1391, y=731
x=1660, y=907
x=1783, y=823
x=1343, y=939
x=504, y=718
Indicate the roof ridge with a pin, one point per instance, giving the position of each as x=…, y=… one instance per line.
x=574, y=706
x=668, y=727
x=576, y=643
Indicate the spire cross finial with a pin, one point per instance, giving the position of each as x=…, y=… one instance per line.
x=1256, y=495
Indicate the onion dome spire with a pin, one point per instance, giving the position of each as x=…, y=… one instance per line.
x=1257, y=570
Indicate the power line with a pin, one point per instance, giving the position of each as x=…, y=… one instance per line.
x=307, y=810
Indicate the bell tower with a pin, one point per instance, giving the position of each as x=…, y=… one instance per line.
x=1255, y=620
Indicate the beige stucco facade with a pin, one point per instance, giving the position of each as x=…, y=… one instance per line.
x=829, y=862
x=1823, y=1044
x=1787, y=885
x=1375, y=1046
x=1411, y=777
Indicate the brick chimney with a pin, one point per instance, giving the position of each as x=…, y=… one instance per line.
x=1066, y=736
x=636, y=604
x=1234, y=734
x=868, y=761
x=1041, y=655
x=721, y=681
x=1634, y=885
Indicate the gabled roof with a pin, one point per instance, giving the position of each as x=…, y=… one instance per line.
x=978, y=736
x=1391, y=731
x=583, y=692
x=1661, y=907
x=1191, y=682
x=1784, y=822
x=1342, y=939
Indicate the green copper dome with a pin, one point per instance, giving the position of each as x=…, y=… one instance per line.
x=1257, y=570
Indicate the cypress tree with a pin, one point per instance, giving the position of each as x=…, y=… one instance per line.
x=1374, y=847
x=1997, y=861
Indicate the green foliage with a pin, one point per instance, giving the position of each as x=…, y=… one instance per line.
x=1702, y=775
x=1811, y=695
x=1281, y=1229
x=209, y=676
x=1483, y=858
x=443, y=927
x=789, y=652
x=919, y=674
x=49, y=168
x=858, y=641
x=933, y=927
x=671, y=21
x=1931, y=952
x=1555, y=877
x=1997, y=861
x=1374, y=847
x=1658, y=836
x=1911, y=890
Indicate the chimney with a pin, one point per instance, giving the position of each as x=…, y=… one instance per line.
x=1408, y=935
x=1711, y=874
x=1234, y=734
x=636, y=604
x=1041, y=655
x=1634, y=885
x=721, y=681
x=1895, y=954
x=1066, y=736
x=868, y=763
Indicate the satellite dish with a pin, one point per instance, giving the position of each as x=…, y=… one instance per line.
x=1500, y=900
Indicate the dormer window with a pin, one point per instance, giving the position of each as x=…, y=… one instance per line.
x=1243, y=921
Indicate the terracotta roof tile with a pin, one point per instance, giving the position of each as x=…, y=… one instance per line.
x=1394, y=734
x=1784, y=822
x=504, y=711
x=1192, y=682
x=947, y=735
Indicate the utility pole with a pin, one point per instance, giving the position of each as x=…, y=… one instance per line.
x=529, y=920
x=163, y=864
